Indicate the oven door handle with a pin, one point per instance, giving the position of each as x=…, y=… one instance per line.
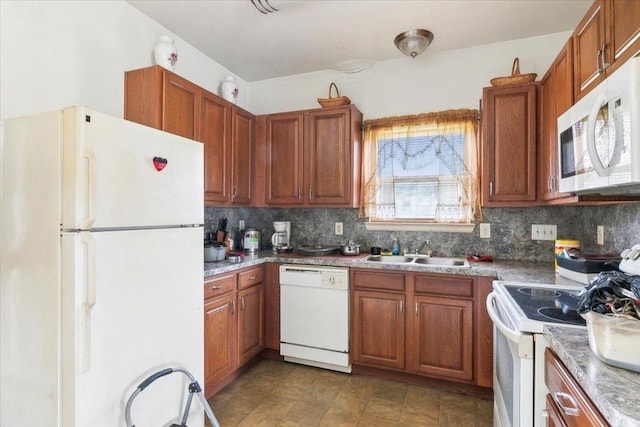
x=523, y=341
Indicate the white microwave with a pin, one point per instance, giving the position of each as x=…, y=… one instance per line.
x=599, y=137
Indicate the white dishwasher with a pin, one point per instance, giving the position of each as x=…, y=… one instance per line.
x=314, y=316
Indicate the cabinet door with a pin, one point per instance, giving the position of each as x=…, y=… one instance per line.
x=215, y=133
x=508, y=148
x=284, y=158
x=242, y=164
x=589, y=43
x=219, y=340
x=180, y=106
x=442, y=341
x=624, y=31
x=378, y=327
x=272, y=306
x=250, y=323
x=328, y=152
x=556, y=93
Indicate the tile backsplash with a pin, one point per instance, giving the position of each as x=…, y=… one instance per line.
x=510, y=229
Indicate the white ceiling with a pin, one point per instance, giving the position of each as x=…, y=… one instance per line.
x=312, y=35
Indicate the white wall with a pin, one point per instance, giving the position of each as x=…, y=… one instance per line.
x=433, y=81
x=59, y=53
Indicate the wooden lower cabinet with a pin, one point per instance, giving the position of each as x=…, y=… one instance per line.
x=233, y=324
x=432, y=325
x=219, y=339
x=567, y=403
x=378, y=328
x=250, y=323
x=442, y=340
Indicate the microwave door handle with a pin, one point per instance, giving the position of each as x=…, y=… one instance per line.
x=591, y=137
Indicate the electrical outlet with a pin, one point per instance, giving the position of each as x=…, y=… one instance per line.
x=339, y=230
x=485, y=230
x=600, y=234
x=241, y=224
x=544, y=232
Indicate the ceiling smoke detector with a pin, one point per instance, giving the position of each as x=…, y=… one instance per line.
x=412, y=43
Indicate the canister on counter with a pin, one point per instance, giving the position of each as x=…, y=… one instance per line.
x=563, y=244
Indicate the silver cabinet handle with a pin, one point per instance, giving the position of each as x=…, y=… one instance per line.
x=401, y=307
x=299, y=193
x=559, y=397
x=550, y=184
x=310, y=194
x=416, y=308
x=252, y=277
x=233, y=307
x=216, y=287
x=242, y=303
x=603, y=53
x=491, y=188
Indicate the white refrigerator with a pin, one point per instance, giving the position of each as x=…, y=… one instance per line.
x=100, y=270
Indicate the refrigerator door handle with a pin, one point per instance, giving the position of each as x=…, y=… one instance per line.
x=91, y=186
x=87, y=305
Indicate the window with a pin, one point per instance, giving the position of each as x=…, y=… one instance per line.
x=421, y=168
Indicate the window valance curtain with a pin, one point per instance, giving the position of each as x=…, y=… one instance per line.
x=448, y=138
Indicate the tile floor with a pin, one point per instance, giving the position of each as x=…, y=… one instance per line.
x=274, y=393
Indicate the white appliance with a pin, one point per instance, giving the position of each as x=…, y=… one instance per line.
x=314, y=316
x=281, y=238
x=100, y=269
x=519, y=312
x=599, y=137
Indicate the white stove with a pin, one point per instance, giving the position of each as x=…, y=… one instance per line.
x=519, y=312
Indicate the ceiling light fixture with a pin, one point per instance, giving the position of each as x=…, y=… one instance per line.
x=412, y=43
x=263, y=6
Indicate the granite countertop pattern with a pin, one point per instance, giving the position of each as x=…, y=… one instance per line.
x=515, y=271
x=615, y=391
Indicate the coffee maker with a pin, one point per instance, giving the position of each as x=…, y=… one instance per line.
x=281, y=238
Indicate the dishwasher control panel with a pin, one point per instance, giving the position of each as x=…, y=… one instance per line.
x=315, y=276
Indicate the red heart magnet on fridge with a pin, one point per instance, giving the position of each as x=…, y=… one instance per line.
x=159, y=163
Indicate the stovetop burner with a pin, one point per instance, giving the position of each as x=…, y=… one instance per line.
x=547, y=305
x=557, y=314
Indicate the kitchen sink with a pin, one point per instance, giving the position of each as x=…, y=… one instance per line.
x=455, y=262
x=418, y=260
x=390, y=258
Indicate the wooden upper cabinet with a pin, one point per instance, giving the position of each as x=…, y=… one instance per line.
x=242, y=164
x=161, y=99
x=284, y=158
x=508, y=149
x=180, y=114
x=555, y=97
x=313, y=157
x=333, y=157
x=607, y=36
x=216, y=135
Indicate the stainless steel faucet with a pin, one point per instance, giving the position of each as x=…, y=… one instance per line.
x=426, y=243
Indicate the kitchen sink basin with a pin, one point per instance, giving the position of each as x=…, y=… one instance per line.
x=390, y=258
x=456, y=262
x=418, y=260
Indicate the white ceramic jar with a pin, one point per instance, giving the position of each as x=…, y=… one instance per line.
x=229, y=89
x=165, y=53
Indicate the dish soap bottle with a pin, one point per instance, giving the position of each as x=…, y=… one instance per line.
x=395, y=248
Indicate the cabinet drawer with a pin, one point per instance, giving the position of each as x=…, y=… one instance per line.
x=250, y=277
x=438, y=285
x=218, y=285
x=378, y=280
x=575, y=407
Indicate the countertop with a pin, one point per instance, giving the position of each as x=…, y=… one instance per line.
x=516, y=271
x=615, y=391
